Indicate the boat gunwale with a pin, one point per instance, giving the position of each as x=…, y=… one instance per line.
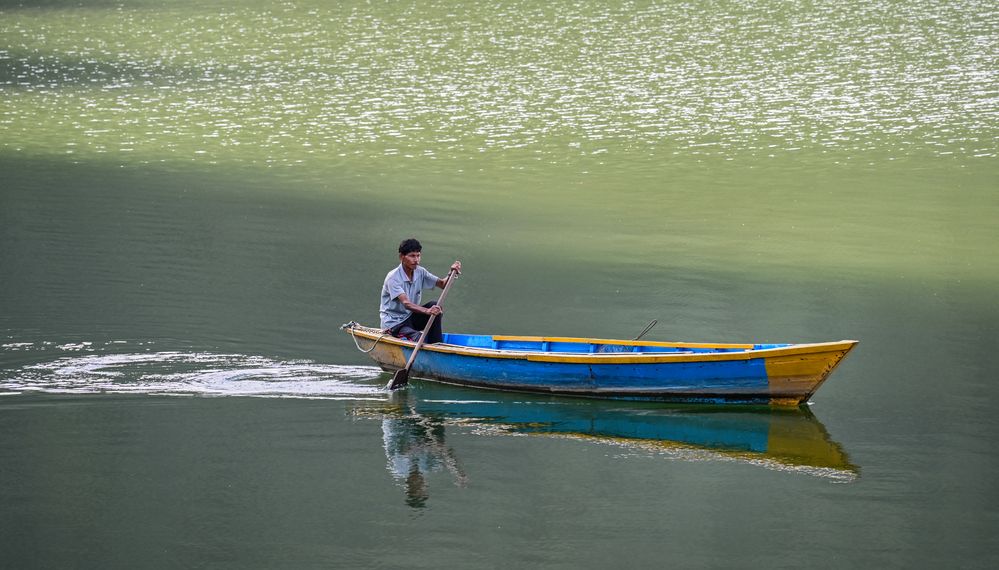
x=609, y=357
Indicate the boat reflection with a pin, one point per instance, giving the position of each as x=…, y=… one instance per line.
x=414, y=423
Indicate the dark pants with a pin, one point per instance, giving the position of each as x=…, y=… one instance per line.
x=414, y=325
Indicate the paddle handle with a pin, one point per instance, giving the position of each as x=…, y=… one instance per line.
x=430, y=322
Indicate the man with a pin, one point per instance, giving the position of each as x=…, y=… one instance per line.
x=401, y=313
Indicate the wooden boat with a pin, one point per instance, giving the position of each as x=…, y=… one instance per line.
x=775, y=374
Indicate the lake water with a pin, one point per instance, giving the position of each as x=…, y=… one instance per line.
x=193, y=198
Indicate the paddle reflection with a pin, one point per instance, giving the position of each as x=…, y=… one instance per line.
x=414, y=423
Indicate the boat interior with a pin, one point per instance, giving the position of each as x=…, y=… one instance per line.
x=591, y=346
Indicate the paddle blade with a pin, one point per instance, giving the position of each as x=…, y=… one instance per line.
x=400, y=379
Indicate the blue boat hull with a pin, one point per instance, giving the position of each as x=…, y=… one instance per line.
x=684, y=381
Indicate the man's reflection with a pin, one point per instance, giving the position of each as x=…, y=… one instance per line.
x=414, y=446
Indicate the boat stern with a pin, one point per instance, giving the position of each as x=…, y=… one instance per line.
x=384, y=349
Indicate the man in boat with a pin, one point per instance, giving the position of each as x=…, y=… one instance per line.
x=402, y=315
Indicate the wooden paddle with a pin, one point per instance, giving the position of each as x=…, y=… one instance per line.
x=401, y=377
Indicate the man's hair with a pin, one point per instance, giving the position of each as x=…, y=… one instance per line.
x=409, y=246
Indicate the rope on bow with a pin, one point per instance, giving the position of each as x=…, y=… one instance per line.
x=350, y=328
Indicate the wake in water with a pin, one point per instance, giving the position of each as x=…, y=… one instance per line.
x=202, y=373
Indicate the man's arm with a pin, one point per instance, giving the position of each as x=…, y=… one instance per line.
x=456, y=266
x=414, y=308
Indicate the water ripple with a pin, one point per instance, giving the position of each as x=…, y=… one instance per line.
x=190, y=373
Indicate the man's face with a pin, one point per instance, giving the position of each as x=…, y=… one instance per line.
x=410, y=260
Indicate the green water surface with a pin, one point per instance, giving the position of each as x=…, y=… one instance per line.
x=194, y=197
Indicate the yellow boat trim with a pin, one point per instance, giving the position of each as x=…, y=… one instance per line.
x=652, y=357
